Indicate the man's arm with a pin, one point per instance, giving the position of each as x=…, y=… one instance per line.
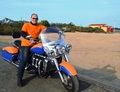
x=24, y=34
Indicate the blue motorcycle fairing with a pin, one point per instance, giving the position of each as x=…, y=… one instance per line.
x=65, y=70
x=38, y=50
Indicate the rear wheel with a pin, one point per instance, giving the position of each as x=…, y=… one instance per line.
x=71, y=83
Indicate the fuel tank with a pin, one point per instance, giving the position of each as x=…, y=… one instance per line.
x=38, y=48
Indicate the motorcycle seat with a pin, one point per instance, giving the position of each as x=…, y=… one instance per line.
x=16, y=39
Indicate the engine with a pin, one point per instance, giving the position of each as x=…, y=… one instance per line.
x=37, y=64
x=37, y=59
x=43, y=65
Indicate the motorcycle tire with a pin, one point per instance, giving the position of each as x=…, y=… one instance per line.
x=71, y=83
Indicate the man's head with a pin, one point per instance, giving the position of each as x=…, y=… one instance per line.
x=34, y=18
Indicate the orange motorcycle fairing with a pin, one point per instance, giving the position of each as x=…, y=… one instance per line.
x=68, y=68
x=37, y=45
x=10, y=49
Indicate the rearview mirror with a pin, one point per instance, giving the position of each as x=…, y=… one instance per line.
x=64, y=29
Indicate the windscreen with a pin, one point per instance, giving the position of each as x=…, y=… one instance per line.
x=50, y=35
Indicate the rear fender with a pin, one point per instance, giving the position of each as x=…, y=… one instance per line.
x=68, y=68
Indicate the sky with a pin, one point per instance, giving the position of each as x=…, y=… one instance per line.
x=79, y=12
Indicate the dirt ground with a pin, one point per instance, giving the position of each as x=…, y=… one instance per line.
x=93, y=51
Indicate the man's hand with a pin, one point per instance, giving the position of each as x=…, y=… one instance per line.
x=32, y=40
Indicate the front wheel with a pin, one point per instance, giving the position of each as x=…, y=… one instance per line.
x=71, y=83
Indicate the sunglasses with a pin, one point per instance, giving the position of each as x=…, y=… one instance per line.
x=35, y=18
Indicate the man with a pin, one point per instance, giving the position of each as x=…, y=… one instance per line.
x=33, y=29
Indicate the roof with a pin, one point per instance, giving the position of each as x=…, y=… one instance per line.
x=97, y=25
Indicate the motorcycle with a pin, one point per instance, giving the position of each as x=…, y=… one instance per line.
x=50, y=55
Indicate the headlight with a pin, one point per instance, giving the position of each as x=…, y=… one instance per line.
x=68, y=48
x=60, y=49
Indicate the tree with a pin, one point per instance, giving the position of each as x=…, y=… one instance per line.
x=7, y=26
x=71, y=24
x=45, y=23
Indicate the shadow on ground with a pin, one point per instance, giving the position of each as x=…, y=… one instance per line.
x=83, y=85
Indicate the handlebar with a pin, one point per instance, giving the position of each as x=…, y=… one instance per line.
x=33, y=40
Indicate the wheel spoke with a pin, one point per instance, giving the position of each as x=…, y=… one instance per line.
x=67, y=81
x=71, y=83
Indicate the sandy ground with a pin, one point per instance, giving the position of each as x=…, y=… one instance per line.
x=96, y=51
x=93, y=51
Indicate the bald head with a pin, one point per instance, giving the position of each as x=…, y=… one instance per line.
x=34, y=18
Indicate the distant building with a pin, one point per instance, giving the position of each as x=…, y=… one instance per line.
x=105, y=27
x=117, y=30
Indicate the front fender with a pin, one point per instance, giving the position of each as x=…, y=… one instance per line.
x=68, y=68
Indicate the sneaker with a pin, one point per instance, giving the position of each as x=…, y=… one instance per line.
x=19, y=82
